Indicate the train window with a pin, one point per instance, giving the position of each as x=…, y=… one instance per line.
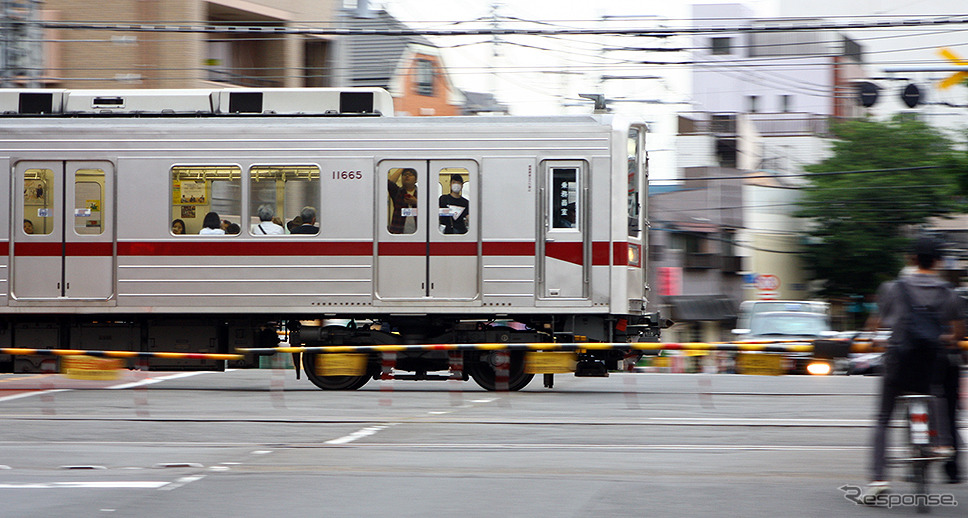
x=564, y=198
x=88, y=200
x=277, y=197
x=453, y=204
x=38, y=202
x=206, y=199
x=402, y=200
x=634, y=168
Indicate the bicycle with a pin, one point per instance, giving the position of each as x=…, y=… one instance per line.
x=921, y=448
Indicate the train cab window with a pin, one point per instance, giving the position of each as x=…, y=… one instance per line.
x=402, y=200
x=453, y=205
x=564, y=197
x=278, y=196
x=635, y=163
x=38, y=201
x=88, y=201
x=202, y=195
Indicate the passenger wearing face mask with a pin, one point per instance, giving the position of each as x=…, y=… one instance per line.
x=454, y=208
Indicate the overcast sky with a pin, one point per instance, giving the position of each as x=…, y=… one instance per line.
x=543, y=75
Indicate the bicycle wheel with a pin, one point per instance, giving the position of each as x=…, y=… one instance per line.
x=919, y=468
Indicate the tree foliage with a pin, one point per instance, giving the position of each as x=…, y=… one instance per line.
x=859, y=222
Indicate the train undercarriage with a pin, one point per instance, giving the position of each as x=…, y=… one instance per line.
x=492, y=368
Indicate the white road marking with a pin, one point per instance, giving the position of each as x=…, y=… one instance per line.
x=261, y=452
x=483, y=400
x=89, y=485
x=641, y=447
x=148, y=381
x=151, y=381
x=181, y=482
x=28, y=394
x=359, y=434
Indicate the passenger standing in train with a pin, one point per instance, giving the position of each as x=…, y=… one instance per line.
x=178, y=227
x=308, y=215
x=266, y=225
x=211, y=225
x=28, y=226
x=454, y=208
x=403, y=219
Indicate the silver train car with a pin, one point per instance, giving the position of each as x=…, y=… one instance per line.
x=206, y=220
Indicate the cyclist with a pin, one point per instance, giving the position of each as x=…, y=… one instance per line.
x=910, y=368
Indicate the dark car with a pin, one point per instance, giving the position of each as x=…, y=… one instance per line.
x=789, y=325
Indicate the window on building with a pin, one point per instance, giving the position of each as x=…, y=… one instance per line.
x=425, y=77
x=206, y=199
x=720, y=46
x=786, y=103
x=753, y=103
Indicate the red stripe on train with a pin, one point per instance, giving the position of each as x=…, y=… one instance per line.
x=569, y=252
x=39, y=249
x=244, y=248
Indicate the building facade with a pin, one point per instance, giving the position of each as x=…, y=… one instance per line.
x=249, y=55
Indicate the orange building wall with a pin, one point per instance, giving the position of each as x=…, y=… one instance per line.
x=413, y=103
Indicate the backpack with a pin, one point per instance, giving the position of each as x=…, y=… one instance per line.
x=912, y=363
x=922, y=326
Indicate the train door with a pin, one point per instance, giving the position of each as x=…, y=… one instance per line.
x=65, y=246
x=426, y=230
x=564, y=249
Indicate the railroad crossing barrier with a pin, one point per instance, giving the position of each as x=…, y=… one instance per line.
x=822, y=349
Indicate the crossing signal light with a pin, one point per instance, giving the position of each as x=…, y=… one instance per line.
x=867, y=93
x=957, y=77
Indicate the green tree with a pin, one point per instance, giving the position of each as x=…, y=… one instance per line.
x=858, y=221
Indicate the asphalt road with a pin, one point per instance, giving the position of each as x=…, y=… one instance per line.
x=260, y=443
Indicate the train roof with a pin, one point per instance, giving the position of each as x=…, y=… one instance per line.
x=196, y=102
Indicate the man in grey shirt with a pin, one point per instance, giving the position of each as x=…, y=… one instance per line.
x=909, y=369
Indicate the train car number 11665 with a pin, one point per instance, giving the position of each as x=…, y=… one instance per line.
x=347, y=175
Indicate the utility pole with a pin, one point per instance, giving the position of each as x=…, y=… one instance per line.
x=21, y=58
x=495, y=41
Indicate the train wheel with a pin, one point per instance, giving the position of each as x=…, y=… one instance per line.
x=483, y=372
x=331, y=382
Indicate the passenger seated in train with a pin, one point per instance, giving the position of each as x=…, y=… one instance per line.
x=308, y=215
x=233, y=229
x=211, y=225
x=178, y=227
x=266, y=225
x=28, y=226
x=453, y=208
x=295, y=222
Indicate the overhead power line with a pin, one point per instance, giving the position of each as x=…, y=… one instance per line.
x=775, y=26
x=801, y=175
